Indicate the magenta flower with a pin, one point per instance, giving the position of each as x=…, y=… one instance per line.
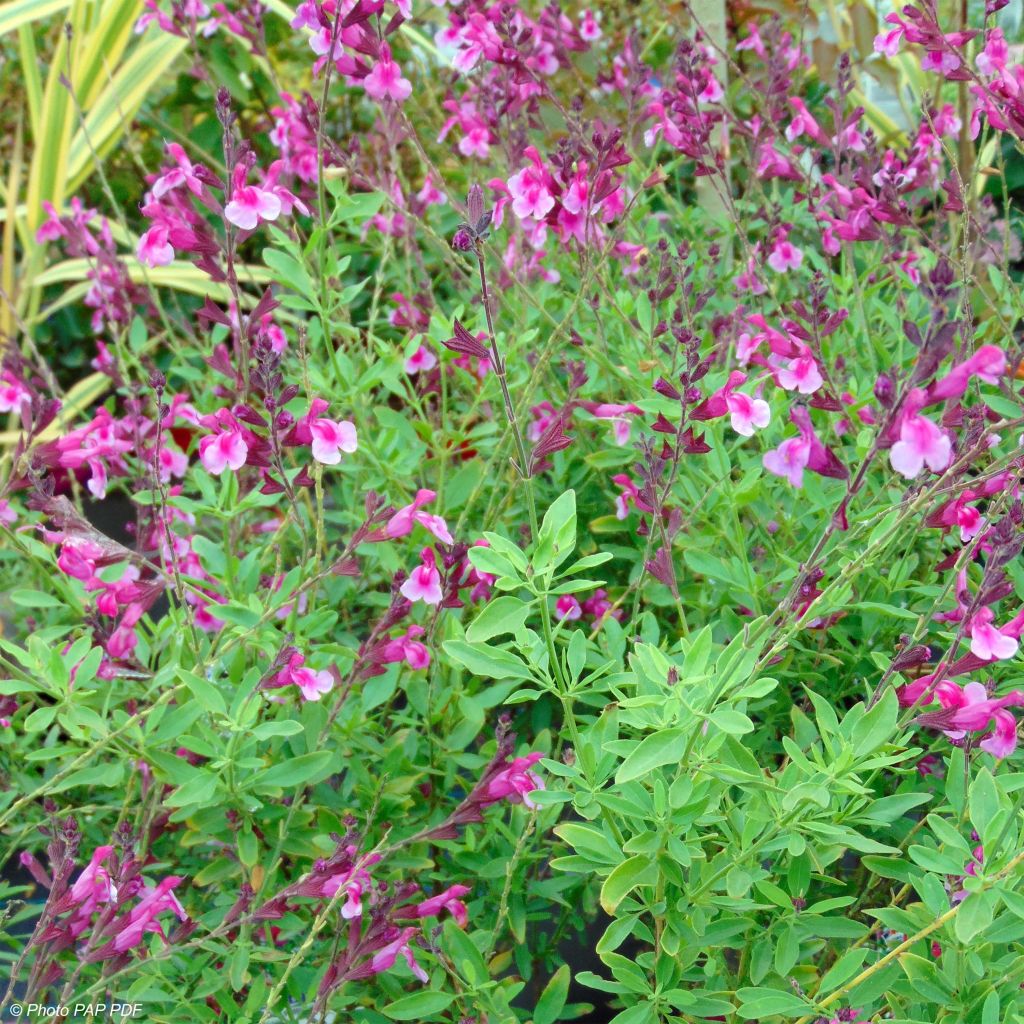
x=514, y=782
x=249, y=205
x=143, y=916
x=450, y=900
x=401, y=523
x=747, y=414
x=987, y=641
x=385, y=79
x=154, y=248
x=408, y=649
x=424, y=582
x=567, y=607
x=988, y=364
x=311, y=684
x=803, y=123
x=921, y=443
x=13, y=394
x=384, y=958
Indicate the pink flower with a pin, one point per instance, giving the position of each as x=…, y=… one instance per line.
x=384, y=959
x=590, y=30
x=921, y=443
x=747, y=414
x=987, y=364
x=804, y=123
x=942, y=62
x=515, y=781
x=987, y=642
x=330, y=439
x=13, y=394
x=800, y=374
x=385, y=79
x=154, y=249
x=401, y=523
x=421, y=359
x=312, y=684
x=226, y=449
x=567, y=607
x=785, y=256
x=249, y=205
x=408, y=649
x=529, y=189
x=620, y=415
x=143, y=916
x=992, y=59
x=94, y=885
x=789, y=460
x=182, y=174
x=450, y=900
x=424, y=582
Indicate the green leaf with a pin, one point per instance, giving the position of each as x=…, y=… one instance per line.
x=552, y=999
x=983, y=800
x=974, y=915
x=483, y=660
x=638, y=870
x=418, y=1006
x=34, y=599
x=556, y=540
x=763, y=1002
x=204, y=691
x=297, y=771
x=290, y=271
x=500, y=615
x=653, y=751
x=198, y=790
x=733, y=722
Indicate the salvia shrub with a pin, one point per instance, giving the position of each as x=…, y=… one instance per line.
x=512, y=512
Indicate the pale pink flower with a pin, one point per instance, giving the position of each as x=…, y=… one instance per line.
x=921, y=443
x=249, y=205
x=942, y=62
x=424, y=582
x=182, y=174
x=421, y=359
x=529, y=189
x=785, y=256
x=987, y=641
x=224, y=450
x=789, y=460
x=800, y=374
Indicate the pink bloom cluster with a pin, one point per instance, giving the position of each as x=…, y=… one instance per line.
x=967, y=709
x=126, y=906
